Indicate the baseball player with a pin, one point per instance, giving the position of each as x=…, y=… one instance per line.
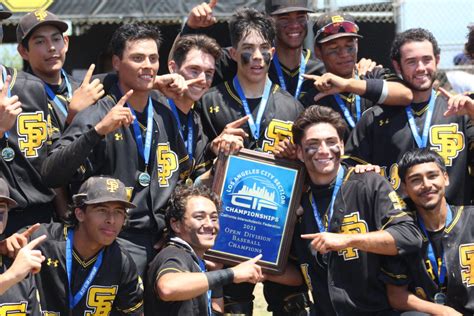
x=23, y=145
x=17, y=288
x=86, y=272
x=439, y=279
x=349, y=221
x=290, y=60
x=342, y=87
x=178, y=282
x=433, y=121
x=43, y=45
x=127, y=135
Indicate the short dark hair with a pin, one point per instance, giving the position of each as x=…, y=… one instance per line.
x=133, y=32
x=418, y=156
x=469, y=47
x=25, y=42
x=412, y=35
x=316, y=114
x=70, y=218
x=182, y=193
x=245, y=20
x=197, y=41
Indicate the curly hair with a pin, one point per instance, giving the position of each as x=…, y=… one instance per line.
x=412, y=35
x=177, y=203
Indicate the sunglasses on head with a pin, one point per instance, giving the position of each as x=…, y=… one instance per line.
x=336, y=27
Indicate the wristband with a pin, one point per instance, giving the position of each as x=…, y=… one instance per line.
x=374, y=89
x=219, y=278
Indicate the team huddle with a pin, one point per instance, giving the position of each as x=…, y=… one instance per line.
x=105, y=199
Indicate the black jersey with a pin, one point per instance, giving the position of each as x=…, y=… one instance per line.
x=345, y=282
x=222, y=105
x=176, y=257
x=28, y=138
x=416, y=271
x=115, y=290
x=383, y=135
x=349, y=99
x=81, y=153
x=21, y=298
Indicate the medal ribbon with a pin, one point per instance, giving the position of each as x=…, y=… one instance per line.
x=441, y=269
x=55, y=98
x=281, y=78
x=421, y=142
x=202, y=267
x=189, y=139
x=9, y=93
x=317, y=217
x=74, y=299
x=143, y=149
x=254, y=124
x=345, y=110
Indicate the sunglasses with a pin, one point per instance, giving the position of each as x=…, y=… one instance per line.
x=336, y=27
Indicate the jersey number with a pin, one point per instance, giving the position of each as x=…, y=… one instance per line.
x=466, y=260
x=276, y=132
x=352, y=224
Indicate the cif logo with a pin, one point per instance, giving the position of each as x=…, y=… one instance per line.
x=255, y=194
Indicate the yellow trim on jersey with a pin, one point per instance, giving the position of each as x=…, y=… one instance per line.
x=14, y=76
x=203, y=164
x=401, y=214
x=349, y=172
x=356, y=159
x=84, y=263
x=131, y=309
x=183, y=159
x=455, y=220
x=231, y=93
x=168, y=269
x=396, y=276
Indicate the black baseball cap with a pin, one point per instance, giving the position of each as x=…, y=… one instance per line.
x=333, y=25
x=101, y=189
x=31, y=21
x=4, y=14
x=273, y=7
x=5, y=194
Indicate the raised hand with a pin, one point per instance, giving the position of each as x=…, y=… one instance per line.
x=86, y=95
x=248, y=271
x=231, y=139
x=173, y=86
x=201, y=15
x=458, y=104
x=119, y=115
x=10, y=107
x=328, y=84
x=12, y=245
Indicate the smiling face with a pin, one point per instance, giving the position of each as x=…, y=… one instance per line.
x=339, y=55
x=321, y=150
x=138, y=66
x=101, y=223
x=425, y=184
x=197, y=64
x=291, y=28
x=253, y=56
x=199, y=225
x=46, y=51
x=418, y=64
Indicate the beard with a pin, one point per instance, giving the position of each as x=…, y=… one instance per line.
x=433, y=77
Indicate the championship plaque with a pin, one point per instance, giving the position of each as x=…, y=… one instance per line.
x=259, y=195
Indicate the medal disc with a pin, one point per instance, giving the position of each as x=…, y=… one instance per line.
x=8, y=154
x=440, y=298
x=144, y=179
x=189, y=181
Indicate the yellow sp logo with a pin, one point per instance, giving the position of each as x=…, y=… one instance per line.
x=447, y=141
x=352, y=224
x=32, y=133
x=392, y=175
x=100, y=300
x=466, y=261
x=112, y=185
x=276, y=132
x=13, y=309
x=167, y=162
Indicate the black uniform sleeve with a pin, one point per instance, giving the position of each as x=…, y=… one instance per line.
x=129, y=300
x=358, y=147
x=72, y=151
x=394, y=271
x=391, y=216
